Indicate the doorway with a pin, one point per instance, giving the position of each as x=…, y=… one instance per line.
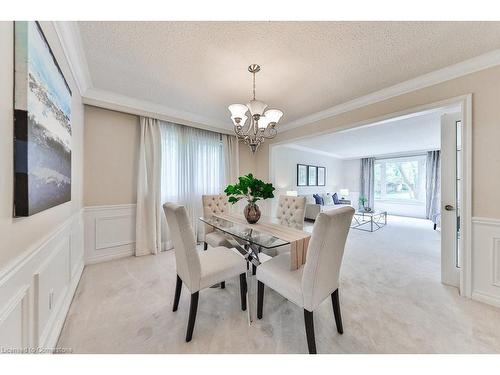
x=455, y=205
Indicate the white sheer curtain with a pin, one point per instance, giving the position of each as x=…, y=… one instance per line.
x=192, y=165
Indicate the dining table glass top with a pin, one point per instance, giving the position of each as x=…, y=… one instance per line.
x=245, y=232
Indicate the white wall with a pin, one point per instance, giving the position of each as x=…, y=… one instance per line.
x=352, y=174
x=41, y=256
x=284, y=172
x=286, y=159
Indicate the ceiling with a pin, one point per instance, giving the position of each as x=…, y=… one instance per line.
x=395, y=136
x=201, y=67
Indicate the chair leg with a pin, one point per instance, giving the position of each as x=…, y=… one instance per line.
x=243, y=291
x=435, y=226
x=311, y=341
x=223, y=285
x=178, y=288
x=192, y=315
x=336, y=311
x=205, y=246
x=260, y=299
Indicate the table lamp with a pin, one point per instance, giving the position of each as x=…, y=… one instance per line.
x=344, y=193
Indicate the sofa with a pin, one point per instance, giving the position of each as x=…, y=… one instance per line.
x=316, y=203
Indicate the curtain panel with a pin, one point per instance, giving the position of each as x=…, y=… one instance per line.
x=149, y=211
x=368, y=181
x=231, y=158
x=433, y=186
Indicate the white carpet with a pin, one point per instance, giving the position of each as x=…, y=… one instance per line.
x=391, y=298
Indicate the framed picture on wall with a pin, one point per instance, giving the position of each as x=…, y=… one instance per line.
x=42, y=124
x=321, y=176
x=312, y=175
x=301, y=175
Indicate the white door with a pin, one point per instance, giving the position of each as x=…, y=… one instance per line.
x=450, y=205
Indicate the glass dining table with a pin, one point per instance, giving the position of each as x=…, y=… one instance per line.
x=249, y=242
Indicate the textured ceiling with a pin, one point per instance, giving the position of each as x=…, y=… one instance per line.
x=419, y=133
x=201, y=67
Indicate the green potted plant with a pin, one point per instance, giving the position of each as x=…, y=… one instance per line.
x=362, y=202
x=251, y=189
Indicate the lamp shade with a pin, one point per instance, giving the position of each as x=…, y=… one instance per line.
x=263, y=122
x=237, y=110
x=273, y=115
x=344, y=192
x=256, y=107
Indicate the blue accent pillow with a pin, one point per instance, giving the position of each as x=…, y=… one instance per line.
x=319, y=200
x=335, y=199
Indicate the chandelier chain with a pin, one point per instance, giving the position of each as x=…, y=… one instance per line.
x=253, y=85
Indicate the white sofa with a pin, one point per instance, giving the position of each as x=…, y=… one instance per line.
x=313, y=209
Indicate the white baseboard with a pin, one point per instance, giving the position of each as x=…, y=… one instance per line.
x=486, y=298
x=37, y=288
x=109, y=232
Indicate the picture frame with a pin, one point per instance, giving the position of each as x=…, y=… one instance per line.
x=42, y=124
x=302, y=176
x=312, y=175
x=321, y=176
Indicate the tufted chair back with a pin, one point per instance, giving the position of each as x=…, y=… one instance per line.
x=291, y=211
x=214, y=204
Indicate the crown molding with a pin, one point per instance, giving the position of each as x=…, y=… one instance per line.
x=127, y=104
x=310, y=150
x=463, y=68
x=71, y=42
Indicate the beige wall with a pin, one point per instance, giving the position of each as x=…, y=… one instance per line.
x=247, y=160
x=485, y=87
x=111, y=153
x=112, y=146
x=22, y=234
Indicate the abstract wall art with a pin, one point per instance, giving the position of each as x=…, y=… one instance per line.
x=42, y=124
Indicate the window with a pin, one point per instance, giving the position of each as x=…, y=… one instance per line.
x=400, y=179
x=192, y=165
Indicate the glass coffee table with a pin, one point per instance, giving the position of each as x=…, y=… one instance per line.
x=369, y=221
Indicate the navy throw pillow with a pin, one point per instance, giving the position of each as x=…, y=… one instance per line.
x=335, y=199
x=318, y=199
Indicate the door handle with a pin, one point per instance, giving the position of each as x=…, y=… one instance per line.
x=449, y=207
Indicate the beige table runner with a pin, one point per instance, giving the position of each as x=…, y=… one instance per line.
x=299, y=240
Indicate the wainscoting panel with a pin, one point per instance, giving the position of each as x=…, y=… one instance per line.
x=109, y=232
x=486, y=260
x=36, y=289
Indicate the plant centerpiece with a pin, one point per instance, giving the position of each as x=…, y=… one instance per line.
x=362, y=203
x=251, y=189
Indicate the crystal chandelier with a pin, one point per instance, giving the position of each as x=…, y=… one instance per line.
x=261, y=125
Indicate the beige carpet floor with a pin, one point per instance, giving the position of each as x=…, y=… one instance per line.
x=391, y=297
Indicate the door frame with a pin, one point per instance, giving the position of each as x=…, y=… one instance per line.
x=465, y=103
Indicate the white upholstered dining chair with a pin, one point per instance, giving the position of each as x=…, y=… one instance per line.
x=312, y=283
x=200, y=270
x=212, y=205
x=291, y=211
